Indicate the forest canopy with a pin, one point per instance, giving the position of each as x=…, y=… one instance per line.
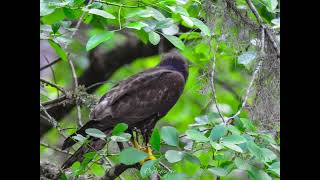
x=225, y=125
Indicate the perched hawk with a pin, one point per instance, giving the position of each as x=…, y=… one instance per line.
x=139, y=101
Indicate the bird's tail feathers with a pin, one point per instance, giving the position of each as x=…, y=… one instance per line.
x=95, y=145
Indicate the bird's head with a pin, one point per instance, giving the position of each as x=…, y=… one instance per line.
x=173, y=60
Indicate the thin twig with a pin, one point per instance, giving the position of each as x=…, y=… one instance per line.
x=54, y=101
x=50, y=64
x=53, y=85
x=52, y=121
x=79, y=22
x=74, y=75
x=53, y=74
x=166, y=167
x=232, y=5
x=116, y=4
x=54, y=148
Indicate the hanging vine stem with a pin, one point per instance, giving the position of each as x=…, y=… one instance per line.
x=254, y=76
x=119, y=17
x=211, y=76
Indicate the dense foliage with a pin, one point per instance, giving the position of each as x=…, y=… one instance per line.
x=209, y=133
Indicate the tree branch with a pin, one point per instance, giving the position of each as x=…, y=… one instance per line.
x=55, y=148
x=53, y=85
x=267, y=30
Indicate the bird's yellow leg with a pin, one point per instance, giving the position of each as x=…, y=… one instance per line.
x=136, y=143
x=148, y=150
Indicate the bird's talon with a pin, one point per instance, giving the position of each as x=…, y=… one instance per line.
x=148, y=150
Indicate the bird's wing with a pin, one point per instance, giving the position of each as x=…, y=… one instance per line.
x=141, y=96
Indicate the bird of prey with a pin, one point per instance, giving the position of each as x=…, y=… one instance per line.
x=139, y=101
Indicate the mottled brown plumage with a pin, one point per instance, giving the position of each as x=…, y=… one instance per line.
x=138, y=101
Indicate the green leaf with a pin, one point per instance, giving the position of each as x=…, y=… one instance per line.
x=174, y=156
x=268, y=155
x=142, y=35
x=79, y=138
x=271, y=5
x=268, y=138
x=90, y=155
x=63, y=176
x=119, y=128
x=57, y=48
x=255, y=150
x=97, y=169
x=187, y=20
x=256, y=174
x=76, y=168
x=131, y=156
x=98, y=39
x=155, y=140
x=58, y=4
x=102, y=13
x=196, y=135
x=154, y=38
x=136, y=25
x=154, y=13
x=247, y=123
x=234, y=130
x=233, y=147
x=205, y=157
x=247, y=57
x=173, y=29
x=199, y=24
x=54, y=17
x=148, y=168
x=192, y=158
x=276, y=22
x=95, y=133
x=122, y=137
x=275, y=167
x=45, y=9
x=175, y=41
x=164, y=23
x=218, y=171
x=234, y=139
x=170, y=135
x=55, y=27
x=174, y=176
x=216, y=146
x=242, y=164
x=178, y=10
x=217, y=132
x=190, y=35
x=213, y=117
